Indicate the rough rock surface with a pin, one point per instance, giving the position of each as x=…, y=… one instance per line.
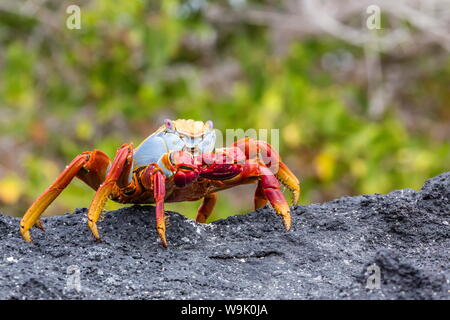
x=406, y=234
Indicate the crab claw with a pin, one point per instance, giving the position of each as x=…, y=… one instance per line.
x=185, y=175
x=183, y=164
x=221, y=171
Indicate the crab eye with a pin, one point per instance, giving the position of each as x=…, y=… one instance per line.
x=169, y=124
x=210, y=124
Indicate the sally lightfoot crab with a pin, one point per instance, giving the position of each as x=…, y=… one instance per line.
x=178, y=162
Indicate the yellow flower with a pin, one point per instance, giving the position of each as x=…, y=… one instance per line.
x=325, y=164
x=10, y=189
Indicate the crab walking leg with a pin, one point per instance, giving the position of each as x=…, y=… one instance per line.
x=260, y=197
x=250, y=171
x=272, y=192
x=117, y=176
x=87, y=166
x=207, y=207
x=289, y=180
x=270, y=157
x=159, y=189
x=153, y=178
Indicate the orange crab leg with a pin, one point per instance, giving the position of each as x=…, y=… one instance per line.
x=88, y=166
x=117, y=176
x=159, y=185
x=207, y=207
x=290, y=181
x=153, y=178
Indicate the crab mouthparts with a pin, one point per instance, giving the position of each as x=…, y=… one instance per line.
x=192, y=150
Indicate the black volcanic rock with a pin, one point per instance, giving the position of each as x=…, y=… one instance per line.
x=406, y=234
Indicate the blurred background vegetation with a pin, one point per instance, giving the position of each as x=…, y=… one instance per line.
x=359, y=110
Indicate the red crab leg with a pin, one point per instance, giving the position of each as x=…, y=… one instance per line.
x=272, y=192
x=269, y=188
x=117, y=176
x=271, y=158
x=87, y=166
x=260, y=198
x=153, y=178
x=206, y=208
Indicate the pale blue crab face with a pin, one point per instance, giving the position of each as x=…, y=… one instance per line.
x=197, y=145
x=195, y=137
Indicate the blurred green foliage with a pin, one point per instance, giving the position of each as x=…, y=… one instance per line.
x=134, y=63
